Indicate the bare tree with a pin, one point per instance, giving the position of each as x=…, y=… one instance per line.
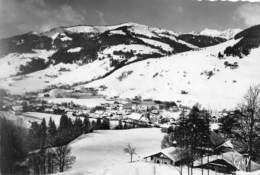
x=129, y=149
x=63, y=157
x=249, y=113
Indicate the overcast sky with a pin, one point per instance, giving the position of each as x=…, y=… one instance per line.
x=20, y=16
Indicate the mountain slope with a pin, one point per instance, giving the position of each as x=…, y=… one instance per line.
x=131, y=60
x=250, y=40
x=227, y=34
x=187, y=78
x=34, y=61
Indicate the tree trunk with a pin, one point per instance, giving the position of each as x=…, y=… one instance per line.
x=250, y=144
x=201, y=164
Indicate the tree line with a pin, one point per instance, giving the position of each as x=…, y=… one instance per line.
x=43, y=148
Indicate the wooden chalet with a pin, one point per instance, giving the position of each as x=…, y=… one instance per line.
x=227, y=162
x=170, y=156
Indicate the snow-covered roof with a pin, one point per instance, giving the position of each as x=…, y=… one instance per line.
x=172, y=153
x=232, y=157
x=134, y=116
x=227, y=144
x=168, y=114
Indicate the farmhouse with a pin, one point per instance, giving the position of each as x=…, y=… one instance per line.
x=226, y=163
x=171, y=156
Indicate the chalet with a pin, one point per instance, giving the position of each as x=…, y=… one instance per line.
x=171, y=156
x=224, y=147
x=226, y=162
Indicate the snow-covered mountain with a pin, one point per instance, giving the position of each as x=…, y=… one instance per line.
x=227, y=34
x=129, y=60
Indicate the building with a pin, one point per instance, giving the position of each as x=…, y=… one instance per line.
x=227, y=162
x=170, y=156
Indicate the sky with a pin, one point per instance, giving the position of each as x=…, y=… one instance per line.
x=21, y=16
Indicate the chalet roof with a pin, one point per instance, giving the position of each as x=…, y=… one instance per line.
x=233, y=158
x=172, y=153
x=169, y=114
x=134, y=116
x=226, y=144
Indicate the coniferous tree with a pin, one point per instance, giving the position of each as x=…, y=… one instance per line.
x=65, y=131
x=98, y=124
x=13, y=148
x=120, y=125
x=125, y=126
x=34, y=136
x=93, y=125
x=43, y=133
x=52, y=132
x=64, y=123
x=192, y=133
x=78, y=127
x=105, y=124
x=86, y=125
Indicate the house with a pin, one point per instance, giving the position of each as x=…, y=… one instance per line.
x=225, y=147
x=171, y=156
x=227, y=162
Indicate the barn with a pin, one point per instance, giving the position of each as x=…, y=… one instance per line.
x=171, y=156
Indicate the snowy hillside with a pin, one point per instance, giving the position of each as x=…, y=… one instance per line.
x=101, y=153
x=104, y=149
x=34, y=61
x=187, y=78
x=129, y=60
x=40, y=58
x=227, y=34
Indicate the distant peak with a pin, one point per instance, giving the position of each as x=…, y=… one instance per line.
x=227, y=34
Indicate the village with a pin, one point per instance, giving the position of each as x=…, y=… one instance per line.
x=219, y=155
x=135, y=112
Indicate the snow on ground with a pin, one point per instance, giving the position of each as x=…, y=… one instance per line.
x=142, y=30
x=141, y=168
x=136, y=48
x=227, y=34
x=36, y=80
x=38, y=117
x=10, y=64
x=85, y=73
x=164, y=46
x=88, y=102
x=82, y=29
x=73, y=50
x=184, y=77
x=248, y=173
x=53, y=76
x=104, y=148
x=137, y=168
x=118, y=32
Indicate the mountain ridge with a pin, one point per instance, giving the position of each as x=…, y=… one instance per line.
x=104, y=61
